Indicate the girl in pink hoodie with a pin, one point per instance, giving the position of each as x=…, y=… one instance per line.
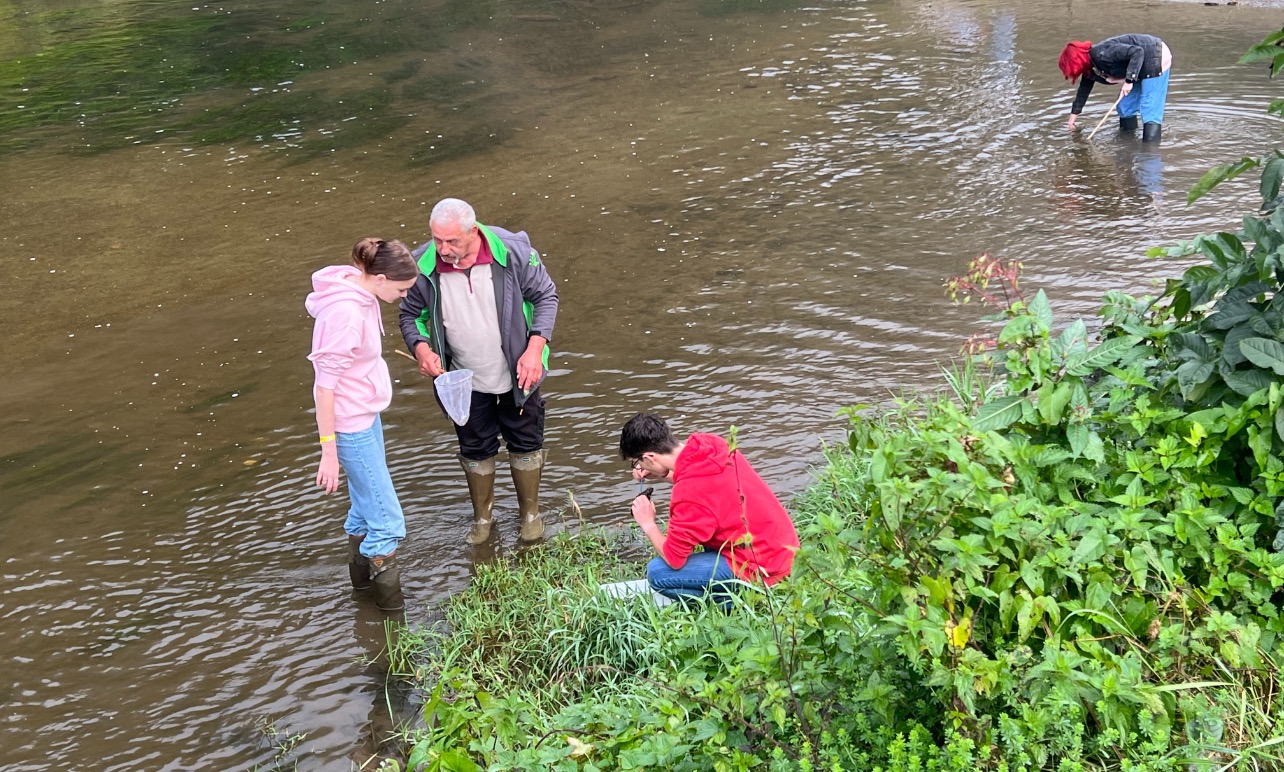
x=352, y=388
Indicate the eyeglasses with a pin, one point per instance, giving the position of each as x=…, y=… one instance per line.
x=635, y=464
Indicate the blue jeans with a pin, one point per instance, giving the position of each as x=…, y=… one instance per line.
x=375, y=512
x=1147, y=97
x=704, y=573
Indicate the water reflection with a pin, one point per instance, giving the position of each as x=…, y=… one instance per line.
x=391, y=697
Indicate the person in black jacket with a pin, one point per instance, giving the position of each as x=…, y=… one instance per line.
x=1140, y=62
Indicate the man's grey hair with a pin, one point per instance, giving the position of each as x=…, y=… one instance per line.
x=454, y=211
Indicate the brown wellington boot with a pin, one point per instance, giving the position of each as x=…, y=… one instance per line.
x=386, y=576
x=481, y=490
x=526, y=469
x=358, y=565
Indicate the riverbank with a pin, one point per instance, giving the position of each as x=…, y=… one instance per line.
x=1073, y=566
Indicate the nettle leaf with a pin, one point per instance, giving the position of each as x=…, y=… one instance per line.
x=1264, y=352
x=1103, y=355
x=998, y=414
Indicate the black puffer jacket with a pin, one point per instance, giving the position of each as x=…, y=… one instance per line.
x=1131, y=57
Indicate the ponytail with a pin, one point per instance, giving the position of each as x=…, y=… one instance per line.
x=375, y=256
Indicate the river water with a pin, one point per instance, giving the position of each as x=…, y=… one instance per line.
x=749, y=208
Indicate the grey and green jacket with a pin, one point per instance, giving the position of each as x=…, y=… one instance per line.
x=525, y=299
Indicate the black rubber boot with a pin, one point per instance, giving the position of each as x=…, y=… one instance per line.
x=358, y=565
x=1129, y=123
x=387, y=583
x=1152, y=132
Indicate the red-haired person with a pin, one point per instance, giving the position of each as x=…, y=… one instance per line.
x=1140, y=63
x=352, y=388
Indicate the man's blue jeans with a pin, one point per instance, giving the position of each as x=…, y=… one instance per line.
x=704, y=573
x=375, y=512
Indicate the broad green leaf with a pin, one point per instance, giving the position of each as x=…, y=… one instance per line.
x=1053, y=398
x=1095, y=450
x=1191, y=346
x=1265, y=238
x=937, y=589
x=1273, y=172
x=1263, y=50
x=1217, y=175
x=1041, y=310
x=1105, y=354
x=1264, y=352
x=1192, y=375
x=1073, y=339
x=1091, y=547
x=418, y=757
x=1231, y=353
x=1181, y=303
x=998, y=414
x=1078, y=433
x=1247, y=382
x=1229, y=314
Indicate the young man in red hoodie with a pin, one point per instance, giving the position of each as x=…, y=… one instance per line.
x=719, y=503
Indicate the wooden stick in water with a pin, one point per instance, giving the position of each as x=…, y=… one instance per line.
x=1107, y=115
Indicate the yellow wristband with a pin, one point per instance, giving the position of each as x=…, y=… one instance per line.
x=327, y=438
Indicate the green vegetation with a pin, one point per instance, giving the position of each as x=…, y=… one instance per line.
x=1072, y=560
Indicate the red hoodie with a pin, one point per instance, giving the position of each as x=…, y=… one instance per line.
x=706, y=509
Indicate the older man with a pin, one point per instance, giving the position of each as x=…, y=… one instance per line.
x=484, y=302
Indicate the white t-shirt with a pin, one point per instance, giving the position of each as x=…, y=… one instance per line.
x=471, y=319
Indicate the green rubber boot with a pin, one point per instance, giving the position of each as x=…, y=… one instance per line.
x=527, y=469
x=481, y=490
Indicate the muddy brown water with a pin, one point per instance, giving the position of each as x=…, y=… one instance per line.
x=749, y=214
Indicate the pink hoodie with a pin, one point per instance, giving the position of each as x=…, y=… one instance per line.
x=347, y=347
